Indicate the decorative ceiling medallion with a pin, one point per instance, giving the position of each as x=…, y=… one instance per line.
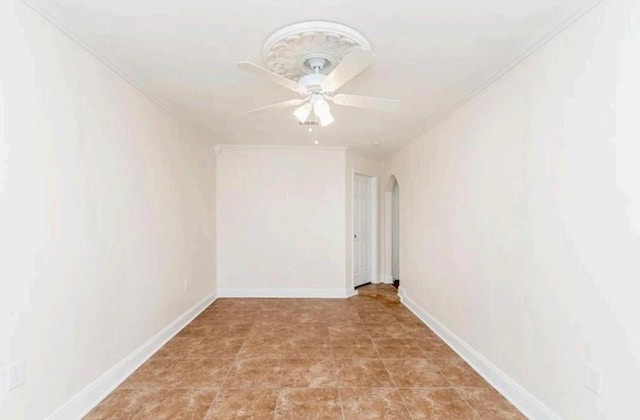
x=287, y=50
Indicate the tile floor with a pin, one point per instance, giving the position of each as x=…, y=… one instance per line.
x=357, y=358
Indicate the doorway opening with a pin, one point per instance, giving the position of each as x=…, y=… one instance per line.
x=364, y=229
x=392, y=232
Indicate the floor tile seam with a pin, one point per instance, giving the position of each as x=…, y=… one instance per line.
x=425, y=354
x=194, y=358
x=404, y=402
x=456, y=389
x=227, y=374
x=213, y=402
x=341, y=404
x=244, y=343
x=386, y=369
x=166, y=387
x=137, y=411
x=396, y=387
x=440, y=370
x=467, y=401
x=275, y=408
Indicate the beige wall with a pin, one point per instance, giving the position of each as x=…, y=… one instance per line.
x=106, y=215
x=281, y=221
x=278, y=219
x=520, y=218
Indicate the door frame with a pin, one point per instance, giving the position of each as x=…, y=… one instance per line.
x=395, y=231
x=387, y=273
x=373, y=270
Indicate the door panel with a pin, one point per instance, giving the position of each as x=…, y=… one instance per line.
x=362, y=200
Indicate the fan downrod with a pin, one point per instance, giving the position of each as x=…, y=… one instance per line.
x=317, y=64
x=312, y=81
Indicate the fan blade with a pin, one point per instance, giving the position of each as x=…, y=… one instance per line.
x=350, y=66
x=382, y=104
x=256, y=70
x=279, y=105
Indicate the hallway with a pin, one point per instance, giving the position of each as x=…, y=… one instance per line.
x=357, y=358
x=380, y=291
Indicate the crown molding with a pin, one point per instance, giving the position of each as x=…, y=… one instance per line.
x=528, y=47
x=227, y=146
x=53, y=16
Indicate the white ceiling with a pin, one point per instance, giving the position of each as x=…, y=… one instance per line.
x=431, y=54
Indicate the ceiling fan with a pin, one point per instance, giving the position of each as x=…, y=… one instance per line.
x=318, y=89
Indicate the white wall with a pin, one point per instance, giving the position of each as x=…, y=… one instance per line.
x=281, y=221
x=107, y=209
x=520, y=217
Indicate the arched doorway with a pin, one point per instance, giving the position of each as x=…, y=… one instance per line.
x=392, y=231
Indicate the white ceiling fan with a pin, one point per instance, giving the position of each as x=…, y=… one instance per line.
x=317, y=88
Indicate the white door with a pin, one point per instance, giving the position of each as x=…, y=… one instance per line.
x=362, y=199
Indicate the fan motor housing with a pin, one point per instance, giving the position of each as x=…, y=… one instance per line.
x=311, y=81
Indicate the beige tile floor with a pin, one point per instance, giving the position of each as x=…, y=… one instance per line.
x=357, y=358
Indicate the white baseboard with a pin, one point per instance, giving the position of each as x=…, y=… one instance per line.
x=388, y=279
x=96, y=391
x=528, y=404
x=285, y=293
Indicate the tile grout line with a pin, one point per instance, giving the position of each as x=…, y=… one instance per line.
x=275, y=408
x=452, y=386
x=281, y=388
x=226, y=375
x=467, y=402
x=390, y=376
x=356, y=322
x=341, y=403
x=404, y=403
